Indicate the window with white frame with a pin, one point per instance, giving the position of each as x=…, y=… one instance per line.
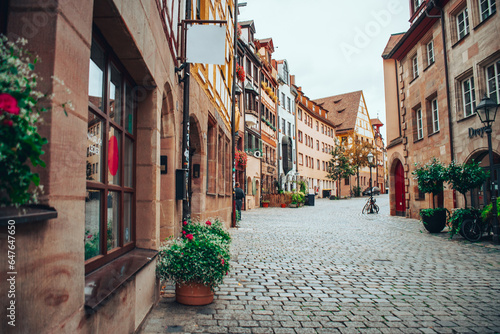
x=414, y=62
x=493, y=80
x=462, y=23
x=283, y=100
x=468, y=96
x=299, y=114
x=430, y=53
x=435, y=115
x=487, y=8
x=288, y=103
x=420, y=125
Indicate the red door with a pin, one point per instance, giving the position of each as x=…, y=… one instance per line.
x=400, y=190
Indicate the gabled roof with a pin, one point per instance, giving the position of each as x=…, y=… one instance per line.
x=249, y=23
x=267, y=43
x=376, y=121
x=342, y=109
x=393, y=40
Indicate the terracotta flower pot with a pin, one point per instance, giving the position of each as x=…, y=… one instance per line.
x=265, y=205
x=193, y=294
x=283, y=205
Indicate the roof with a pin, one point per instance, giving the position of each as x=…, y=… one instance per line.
x=376, y=121
x=249, y=23
x=342, y=109
x=393, y=40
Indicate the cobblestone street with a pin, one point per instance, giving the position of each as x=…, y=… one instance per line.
x=330, y=269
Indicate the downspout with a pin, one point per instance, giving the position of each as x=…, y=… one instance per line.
x=397, y=96
x=445, y=54
x=233, y=114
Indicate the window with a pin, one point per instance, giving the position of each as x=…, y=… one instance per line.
x=346, y=181
x=301, y=159
x=493, y=80
x=430, y=53
x=469, y=96
x=300, y=136
x=414, y=62
x=255, y=74
x=317, y=145
x=283, y=99
x=289, y=102
x=324, y=168
x=462, y=23
x=317, y=126
x=420, y=126
x=487, y=8
x=289, y=129
x=299, y=114
x=109, y=204
x=322, y=128
x=317, y=164
x=435, y=115
x=283, y=124
x=307, y=161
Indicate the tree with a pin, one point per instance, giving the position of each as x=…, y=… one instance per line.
x=464, y=177
x=357, y=150
x=430, y=177
x=339, y=166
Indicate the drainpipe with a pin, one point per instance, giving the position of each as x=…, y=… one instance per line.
x=233, y=113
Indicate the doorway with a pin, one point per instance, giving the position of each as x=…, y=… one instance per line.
x=399, y=176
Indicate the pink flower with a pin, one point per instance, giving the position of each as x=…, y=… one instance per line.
x=8, y=122
x=183, y=232
x=208, y=223
x=182, y=253
x=9, y=104
x=189, y=236
x=89, y=236
x=222, y=261
x=185, y=223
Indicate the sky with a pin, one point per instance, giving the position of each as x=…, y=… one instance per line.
x=332, y=46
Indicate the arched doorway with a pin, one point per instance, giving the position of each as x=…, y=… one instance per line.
x=195, y=168
x=399, y=189
x=481, y=197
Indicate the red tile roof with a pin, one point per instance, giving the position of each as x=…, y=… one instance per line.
x=342, y=109
x=376, y=121
x=393, y=41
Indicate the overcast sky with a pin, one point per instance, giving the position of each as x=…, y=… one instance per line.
x=332, y=46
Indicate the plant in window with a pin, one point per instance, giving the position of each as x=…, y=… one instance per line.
x=240, y=72
x=240, y=158
x=20, y=143
x=199, y=257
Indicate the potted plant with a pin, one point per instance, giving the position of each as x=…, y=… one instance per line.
x=197, y=262
x=430, y=179
x=265, y=203
x=462, y=178
x=297, y=199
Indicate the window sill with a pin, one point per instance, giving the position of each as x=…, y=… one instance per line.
x=418, y=140
x=414, y=79
x=211, y=194
x=429, y=65
x=434, y=133
x=105, y=281
x=458, y=42
x=463, y=119
x=485, y=20
x=26, y=214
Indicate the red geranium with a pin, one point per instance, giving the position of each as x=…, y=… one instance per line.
x=189, y=236
x=208, y=222
x=240, y=72
x=9, y=104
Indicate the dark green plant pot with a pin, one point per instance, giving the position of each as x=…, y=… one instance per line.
x=436, y=222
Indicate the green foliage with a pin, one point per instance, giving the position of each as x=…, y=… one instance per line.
x=356, y=191
x=201, y=256
x=302, y=187
x=20, y=143
x=430, y=177
x=464, y=177
x=298, y=197
x=459, y=216
x=432, y=212
x=339, y=166
x=486, y=212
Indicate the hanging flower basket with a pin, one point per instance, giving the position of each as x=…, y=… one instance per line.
x=240, y=73
x=240, y=158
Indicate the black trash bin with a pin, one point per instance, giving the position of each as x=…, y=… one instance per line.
x=310, y=199
x=326, y=193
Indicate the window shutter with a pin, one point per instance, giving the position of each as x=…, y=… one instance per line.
x=254, y=188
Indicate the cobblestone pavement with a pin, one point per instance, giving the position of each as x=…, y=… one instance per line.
x=330, y=269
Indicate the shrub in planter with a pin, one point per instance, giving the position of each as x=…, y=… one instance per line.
x=201, y=255
x=486, y=213
x=430, y=179
x=456, y=219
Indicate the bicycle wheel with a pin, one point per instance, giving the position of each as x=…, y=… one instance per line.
x=471, y=230
x=365, y=208
x=375, y=208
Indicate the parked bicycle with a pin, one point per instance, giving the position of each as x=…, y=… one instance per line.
x=473, y=228
x=370, y=206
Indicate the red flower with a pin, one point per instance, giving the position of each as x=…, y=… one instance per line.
x=208, y=222
x=183, y=232
x=9, y=104
x=8, y=122
x=222, y=261
x=185, y=223
x=189, y=236
x=89, y=236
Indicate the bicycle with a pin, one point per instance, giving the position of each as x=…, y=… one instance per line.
x=472, y=229
x=370, y=206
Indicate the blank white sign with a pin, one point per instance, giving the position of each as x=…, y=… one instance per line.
x=206, y=44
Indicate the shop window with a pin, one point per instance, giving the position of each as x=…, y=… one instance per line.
x=109, y=204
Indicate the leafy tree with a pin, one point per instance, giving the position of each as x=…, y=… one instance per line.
x=430, y=177
x=464, y=177
x=357, y=150
x=339, y=166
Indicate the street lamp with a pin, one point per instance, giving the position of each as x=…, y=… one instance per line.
x=370, y=162
x=487, y=111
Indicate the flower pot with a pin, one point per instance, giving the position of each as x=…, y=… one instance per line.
x=265, y=205
x=193, y=294
x=436, y=222
x=283, y=205
x=293, y=205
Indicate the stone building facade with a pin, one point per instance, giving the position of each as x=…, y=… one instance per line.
x=435, y=75
x=112, y=161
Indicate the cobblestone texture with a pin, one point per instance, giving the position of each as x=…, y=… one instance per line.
x=330, y=269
